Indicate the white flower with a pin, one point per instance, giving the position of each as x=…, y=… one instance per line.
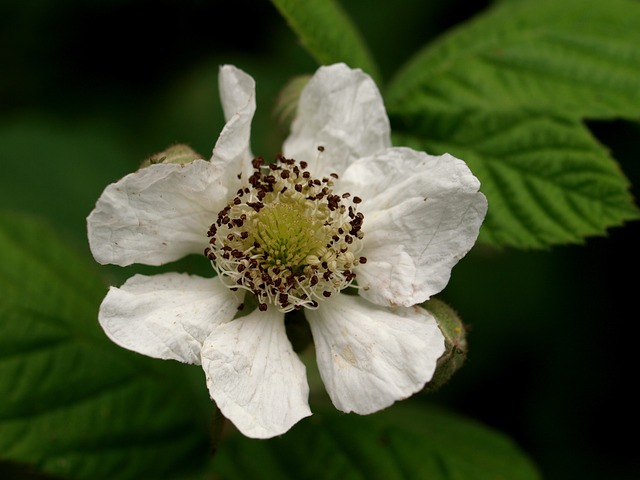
x=342, y=208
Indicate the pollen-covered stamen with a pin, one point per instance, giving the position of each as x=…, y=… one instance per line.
x=287, y=237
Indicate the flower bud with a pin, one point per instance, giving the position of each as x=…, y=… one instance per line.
x=285, y=106
x=180, y=154
x=455, y=342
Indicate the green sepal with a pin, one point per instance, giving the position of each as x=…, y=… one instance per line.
x=455, y=338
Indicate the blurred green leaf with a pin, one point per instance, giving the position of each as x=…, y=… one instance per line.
x=57, y=168
x=547, y=180
x=327, y=33
x=405, y=442
x=507, y=93
x=72, y=403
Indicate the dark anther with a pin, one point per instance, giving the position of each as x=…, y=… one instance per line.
x=362, y=259
x=262, y=307
x=256, y=205
x=304, y=164
x=326, y=294
x=320, y=148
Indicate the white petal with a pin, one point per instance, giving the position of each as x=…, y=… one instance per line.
x=238, y=97
x=157, y=214
x=166, y=316
x=371, y=356
x=421, y=215
x=341, y=110
x=254, y=376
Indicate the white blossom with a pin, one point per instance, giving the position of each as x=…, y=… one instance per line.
x=339, y=209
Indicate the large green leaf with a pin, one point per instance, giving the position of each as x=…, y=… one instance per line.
x=508, y=92
x=575, y=57
x=71, y=403
x=327, y=33
x=547, y=180
x=405, y=442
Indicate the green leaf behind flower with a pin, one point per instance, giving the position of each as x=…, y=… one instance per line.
x=327, y=33
x=407, y=441
x=73, y=404
x=508, y=92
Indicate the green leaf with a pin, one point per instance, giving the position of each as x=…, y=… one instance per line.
x=404, y=442
x=327, y=33
x=508, y=92
x=547, y=180
x=73, y=404
x=579, y=58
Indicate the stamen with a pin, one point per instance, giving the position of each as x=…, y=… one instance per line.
x=287, y=238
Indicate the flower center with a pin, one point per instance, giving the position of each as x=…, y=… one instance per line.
x=287, y=238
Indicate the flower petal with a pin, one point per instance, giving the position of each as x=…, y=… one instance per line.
x=371, y=356
x=157, y=214
x=421, y=215
x=254, y=376
x=166, y=316
x=238, y=97
x=341, y=110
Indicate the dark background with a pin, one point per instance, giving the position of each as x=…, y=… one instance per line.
x=89, y=89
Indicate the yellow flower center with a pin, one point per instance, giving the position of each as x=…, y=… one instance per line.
x=287, y=238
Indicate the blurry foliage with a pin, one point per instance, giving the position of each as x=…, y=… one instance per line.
x=89, y=89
